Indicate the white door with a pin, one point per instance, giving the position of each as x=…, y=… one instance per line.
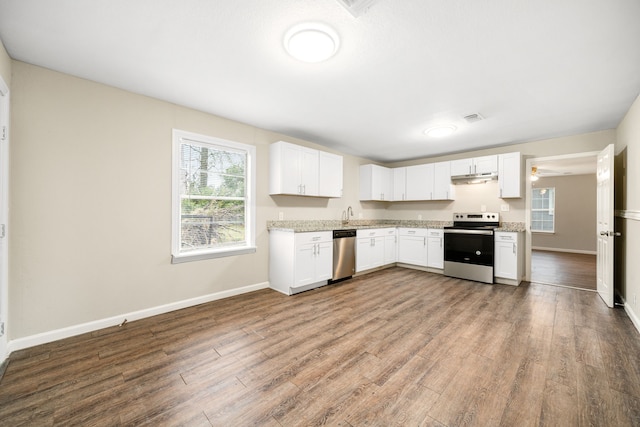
x=4, y=215
x=605, y=230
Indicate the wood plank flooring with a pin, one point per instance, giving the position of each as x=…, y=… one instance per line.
x=563, y=268
x=395, y=347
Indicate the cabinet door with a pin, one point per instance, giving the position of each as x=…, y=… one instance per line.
x=385, y=176
x=290, y=169
x=505, y=260
x=442, y=187
x=412, y=250
x=330, y=173
x=419, y=182
x=305, y=261
x=390, y=249
x=309, y=161
x=399, y=183
x=435, y=252
x=377, y=251
x=363, y=254
x=461, y=167
x=509, y=177
x=486, y=164
x=323, y=261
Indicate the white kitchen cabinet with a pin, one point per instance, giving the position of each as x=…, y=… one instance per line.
x=390, y=245
x=376, y=183
x=371, y=248
x=412, y=246
x=508, y=257
x=443, y=189
x=303, y=171
x=299, y=261
x=293, y=169
x=330, y=175
x=509, y=175
x=484, y=164
x=399, y=184
x=435, y=248
x=419, y=184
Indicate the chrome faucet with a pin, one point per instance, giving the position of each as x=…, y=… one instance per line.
x=346, y=214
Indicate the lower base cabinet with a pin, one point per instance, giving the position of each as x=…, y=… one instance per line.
x=412, y=246
x=299, y=261
x=509, y=258
x=374, y=248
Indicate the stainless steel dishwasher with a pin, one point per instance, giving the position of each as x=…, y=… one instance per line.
x=344, y=254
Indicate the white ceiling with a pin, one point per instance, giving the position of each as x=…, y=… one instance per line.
x=583, y=165
x=533, y=69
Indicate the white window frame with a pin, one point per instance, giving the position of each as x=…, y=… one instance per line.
x=551, y=211
x=180, y=136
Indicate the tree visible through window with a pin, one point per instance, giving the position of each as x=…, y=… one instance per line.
x=543, y=209
x=213, y=196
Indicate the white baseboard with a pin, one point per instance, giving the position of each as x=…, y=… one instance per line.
x=634, y=318
x=58, y=334
x=571, y=251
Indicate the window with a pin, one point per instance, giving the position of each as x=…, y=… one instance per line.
x=213, y=197
x=543, y=202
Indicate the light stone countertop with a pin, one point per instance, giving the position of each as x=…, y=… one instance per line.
x=304, y=226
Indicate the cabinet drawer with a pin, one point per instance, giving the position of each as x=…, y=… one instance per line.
x=314, y=237
x=436, y=233
x=419, y=232
x=375, y=232
x=503, y=236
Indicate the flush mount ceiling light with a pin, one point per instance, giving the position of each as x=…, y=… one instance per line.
x=440, y=131
x=311, y=42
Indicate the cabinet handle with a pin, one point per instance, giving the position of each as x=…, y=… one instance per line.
x=318, y=248
x=304, y=189
x=424, y=241
x=441, y=243
x=514, y=248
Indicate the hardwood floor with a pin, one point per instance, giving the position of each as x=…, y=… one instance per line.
x=562, y=268
x=395, y=347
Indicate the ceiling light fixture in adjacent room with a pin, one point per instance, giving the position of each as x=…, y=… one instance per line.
x=440, y=131
x=311, y=42
x=534, y=171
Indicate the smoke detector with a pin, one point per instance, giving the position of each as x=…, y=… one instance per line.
x=356, y=7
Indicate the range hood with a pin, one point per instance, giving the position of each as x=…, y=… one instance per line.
x=475, y=178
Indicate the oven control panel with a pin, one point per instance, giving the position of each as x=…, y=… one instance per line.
x=477, y=216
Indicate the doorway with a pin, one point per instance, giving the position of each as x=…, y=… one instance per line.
x=4, y=215
x=561, y=213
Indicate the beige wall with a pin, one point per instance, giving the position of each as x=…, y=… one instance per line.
x=575, y=214
x=471, y=198
x=91, y=203
x=628, y=199
x=5, y=65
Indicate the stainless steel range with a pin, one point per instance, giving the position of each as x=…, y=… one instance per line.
x=469, y=246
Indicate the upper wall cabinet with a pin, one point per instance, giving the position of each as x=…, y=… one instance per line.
x=442, y=187
x=330, y=175
x=484, y=164
x=298, y=170
x=509, y=175
x=376, y=183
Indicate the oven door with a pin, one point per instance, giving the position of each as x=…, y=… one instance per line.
x=469, y=246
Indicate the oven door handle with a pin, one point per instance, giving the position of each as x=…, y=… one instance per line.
x=481, y=232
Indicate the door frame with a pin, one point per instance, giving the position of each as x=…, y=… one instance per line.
x=529, y=185
x=4, y=219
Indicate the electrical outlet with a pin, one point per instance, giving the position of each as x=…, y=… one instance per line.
x=420, y=217
x=504, y=208
x=280, y=216
x=483, y=208
x=359, y=215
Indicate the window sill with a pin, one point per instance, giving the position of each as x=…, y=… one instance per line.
x=199, y=256
x=542, y=232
